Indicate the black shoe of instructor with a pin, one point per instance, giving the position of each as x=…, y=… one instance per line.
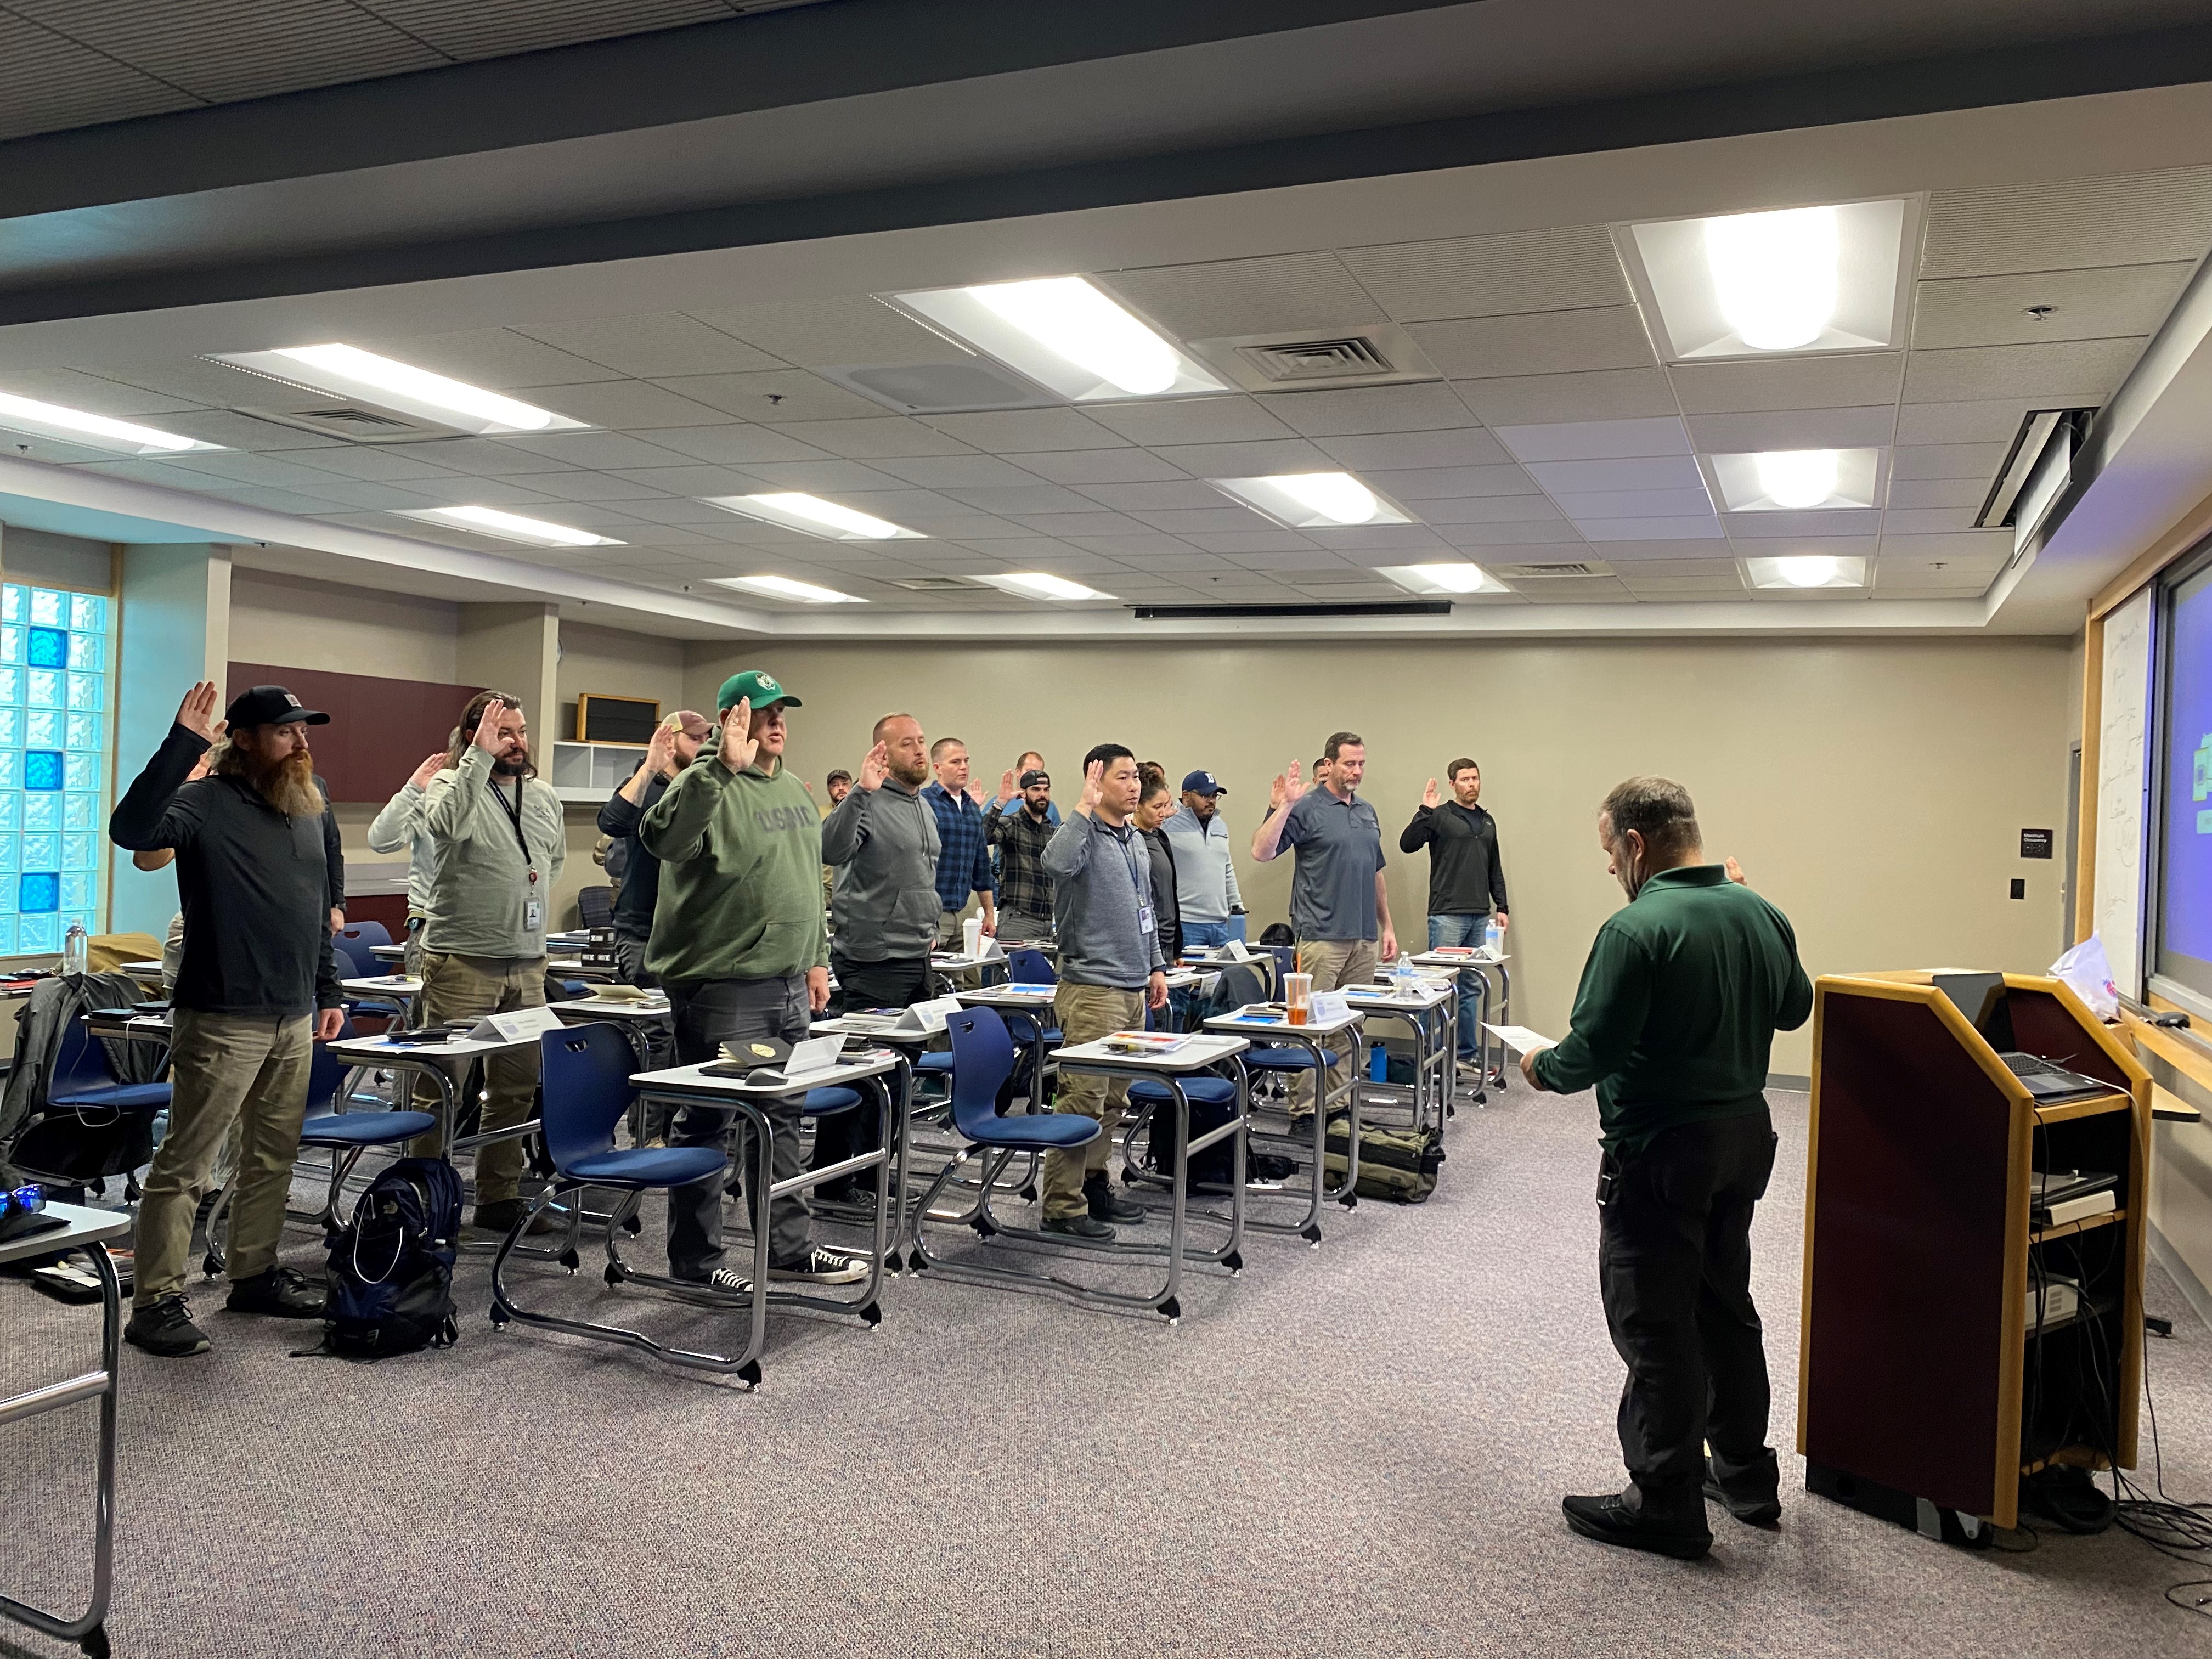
x=1107, y=1205
x=1630, y=1519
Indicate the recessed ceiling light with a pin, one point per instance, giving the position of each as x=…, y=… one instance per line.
x=1797, y=480
x=1042, y=584
x=1308, y=500
x=1455, y=578
x=815, y=516
x=1067, y=336
x=1828, y=278
x=74, y=426
x=508, y=526
x=783, y=587
x=1807, y=570
x=350, y=372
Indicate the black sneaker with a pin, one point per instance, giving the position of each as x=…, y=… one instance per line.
x=824, y=1266
x=502, y=1214
x=1610, y=1521
x=164, y=1327
x=1078, y=1226
x=280, y=1293
x=1107, y=1205
x=1760, y=1508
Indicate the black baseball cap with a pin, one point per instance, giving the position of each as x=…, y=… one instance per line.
x=1034, y=776
x=270, y=705
x=1201, y=783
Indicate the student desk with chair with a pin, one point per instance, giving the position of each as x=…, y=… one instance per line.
x=1427, y=1008
x=1278, y=1047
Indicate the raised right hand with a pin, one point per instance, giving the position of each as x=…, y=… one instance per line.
x=1429, y=795
x=1005, y=785
x=487, y=732
x=660, y=748
x=431, y=766
x=196, y=714
x=1094, y=780
x=875, y=769
x=1283, y=789
x=739, y=744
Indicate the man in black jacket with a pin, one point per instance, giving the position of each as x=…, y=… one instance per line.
x=674, y=746
x=255, y=843
x=1467, y=882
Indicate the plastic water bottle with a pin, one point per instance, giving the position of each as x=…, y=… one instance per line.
x=1493, y=938
x=73, y=949
x=1407, y=979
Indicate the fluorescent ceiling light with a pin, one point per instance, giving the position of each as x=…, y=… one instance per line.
x=1830, y=278
x=349, y=372
x=1312, y=501
x=509, y=526
x=783, y=587
x=815, y=516
x=1805, y=571
x=1042, y=584
x=1797, y=480
x=75, y=426
x=1067, y=336
x=1456, y=578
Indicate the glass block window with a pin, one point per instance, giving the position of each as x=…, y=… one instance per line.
x=55, y=692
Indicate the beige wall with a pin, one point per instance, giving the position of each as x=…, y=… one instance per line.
x=1876, y=791
x=297, y=623
x=610, y=662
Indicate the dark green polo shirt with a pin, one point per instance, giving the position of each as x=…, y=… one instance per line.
x=1680, y=1001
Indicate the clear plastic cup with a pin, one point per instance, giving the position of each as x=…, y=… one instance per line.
x=1298, y=996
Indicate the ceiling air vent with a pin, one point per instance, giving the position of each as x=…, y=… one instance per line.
x=355, y=424
x=1373, y=354
x=1526, y=573
x=938, y=585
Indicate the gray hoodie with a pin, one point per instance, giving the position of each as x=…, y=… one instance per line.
x=1098, y=875
x=884, y=842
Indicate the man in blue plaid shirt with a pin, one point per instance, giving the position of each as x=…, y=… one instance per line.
x=963, y=867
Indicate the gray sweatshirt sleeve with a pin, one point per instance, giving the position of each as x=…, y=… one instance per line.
x=1068, y=853
x=845, y=829
x=393, y=830
x=1229, y=872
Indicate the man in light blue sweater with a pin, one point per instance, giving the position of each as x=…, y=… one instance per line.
x=1110, y=971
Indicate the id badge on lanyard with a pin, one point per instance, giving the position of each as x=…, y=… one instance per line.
x=1145, y=923
x=533, y=907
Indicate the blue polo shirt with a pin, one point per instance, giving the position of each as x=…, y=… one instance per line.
x=1339, y=848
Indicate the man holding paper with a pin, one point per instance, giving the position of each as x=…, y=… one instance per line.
x=739, y=942
x=1673, y=1022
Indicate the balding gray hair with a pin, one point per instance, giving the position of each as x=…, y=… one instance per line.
x=1657, y=809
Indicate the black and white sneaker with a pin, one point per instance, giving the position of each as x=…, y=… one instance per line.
x=824, y=1266
x=164, y=1328
x=280, y=1293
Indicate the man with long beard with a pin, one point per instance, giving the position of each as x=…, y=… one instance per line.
x=257, y=987
x=501, y=845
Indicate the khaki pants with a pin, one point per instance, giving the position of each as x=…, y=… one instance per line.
x=469, y=987
x=242, y=1072
x=1085, y=1013
x=1333, y=964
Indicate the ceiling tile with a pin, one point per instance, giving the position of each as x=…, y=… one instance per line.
x=1513, y=535
x=2070, y=223
x=736, y=446
x=1644, y=472
x=1385, y=451
x=823, y=476
x=595, y=487
x=1584, y=506
x=832, y=332
x=1082, y=467
x=1019, y=431
x=1937, y=492
x=1372, y=409
x=1575, y=590
x=1068, y=524
x=1153, y=498
x=1024, y=498
x=2062, y=370
x=1196, y=420
x=1835, y=381
x=461, y=491
x=1485, y=509
x=1232, y=297
x=1606, y=395
x=781, y=395
x=496, y=357
x=1648, y=529
x=386, y=497
x=1922, y=521
x=1430, y=483
x=238, y=466
x=1537, y=343
x=879, y=438
x=1871, y=427
x=1121, y=547
x=1977, y=461
x=1491, y=276
x=694, y=481
x=486, y=457
x=1387, y=538
x=652, y=343
x=593, y=449
x=1673, y=567
x=625, y=406
x=98, y=395
x=2089, y=305
x=1641, y=553
x=1991, y=420
x=1721, y=586
x=1254, y=460
x=679, y=510
x=944, y=471
x=1830, y=522
x=1247, y=543
x=1590, y=440
x=1199, y=520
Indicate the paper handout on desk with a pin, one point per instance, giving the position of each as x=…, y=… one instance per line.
x=1521, y=1040
x=518, y=1025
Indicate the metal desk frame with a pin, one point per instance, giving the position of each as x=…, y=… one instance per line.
x=1311, y=1038
x=1435, y=1056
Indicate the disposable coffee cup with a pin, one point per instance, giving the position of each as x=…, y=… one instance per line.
x=971, y=937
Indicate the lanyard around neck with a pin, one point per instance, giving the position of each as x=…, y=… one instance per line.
x=514, y=810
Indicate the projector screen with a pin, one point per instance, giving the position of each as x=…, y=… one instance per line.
x=2184, y=818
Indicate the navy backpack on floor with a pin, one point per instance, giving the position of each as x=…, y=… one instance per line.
x=392, y=1265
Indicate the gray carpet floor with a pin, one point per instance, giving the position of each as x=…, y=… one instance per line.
x=1349, y=1451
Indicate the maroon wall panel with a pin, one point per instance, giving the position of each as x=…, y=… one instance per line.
x=379, y=729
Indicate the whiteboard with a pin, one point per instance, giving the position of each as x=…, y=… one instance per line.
x=2123, y=780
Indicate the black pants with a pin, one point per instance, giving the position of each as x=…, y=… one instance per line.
x=709, y=1013
x=1675, y=1267
x=898, y=983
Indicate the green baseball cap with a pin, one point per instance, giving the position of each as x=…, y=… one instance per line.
x=756, y=687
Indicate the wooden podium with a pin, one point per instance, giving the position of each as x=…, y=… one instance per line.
x=1925, y=1387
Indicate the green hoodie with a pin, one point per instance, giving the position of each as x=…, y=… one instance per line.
x=740, y=875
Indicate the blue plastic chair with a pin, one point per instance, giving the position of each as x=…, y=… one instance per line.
x=346, y=1135
x=1030, y=967
x=355, y=962
x=365, y=933
x=81, y=1078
